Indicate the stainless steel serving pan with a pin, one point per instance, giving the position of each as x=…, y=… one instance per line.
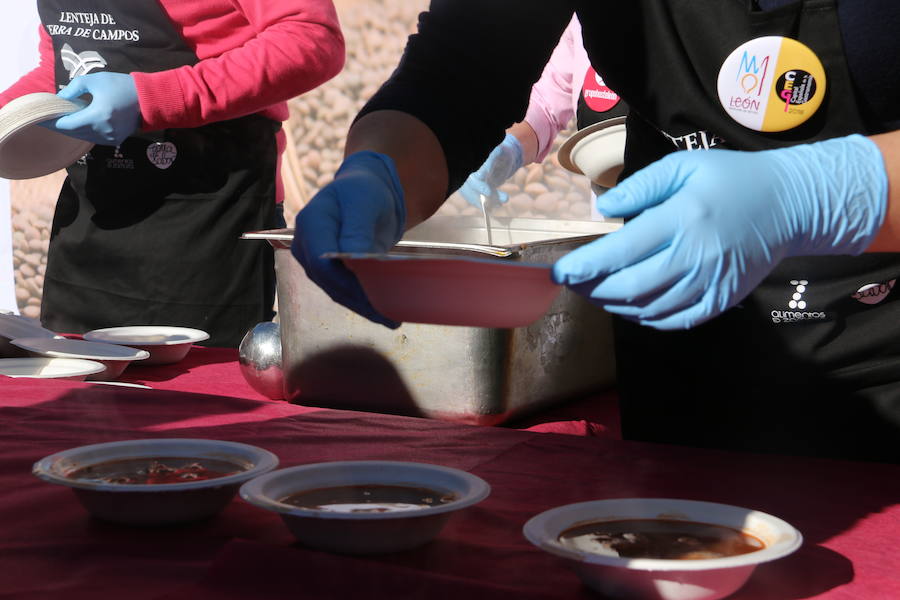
x=333, y=357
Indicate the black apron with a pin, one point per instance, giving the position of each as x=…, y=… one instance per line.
x=148, y=233
x=809, y=363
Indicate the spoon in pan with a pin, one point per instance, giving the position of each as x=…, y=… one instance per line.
x=487, y=218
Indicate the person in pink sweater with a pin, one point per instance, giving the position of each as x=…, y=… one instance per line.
x=569, y=87
x=186, y=100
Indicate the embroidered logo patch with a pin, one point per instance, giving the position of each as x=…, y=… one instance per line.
x=162, y=154
x=798, y=310
x=80, y=63
x=119, y=161
x=873, y=293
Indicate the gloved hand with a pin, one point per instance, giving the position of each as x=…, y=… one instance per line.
x=504, y=160
x=711, y=225
x=362, y=210
x=112, y=115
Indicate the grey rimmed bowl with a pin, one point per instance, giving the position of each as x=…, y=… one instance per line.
x=365, y=532
x=155, y=504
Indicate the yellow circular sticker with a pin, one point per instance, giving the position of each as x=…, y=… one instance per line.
x=771, y=84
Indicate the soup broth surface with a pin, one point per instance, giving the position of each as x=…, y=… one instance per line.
x=368, y=498
x=659, y=538
x=156, y=470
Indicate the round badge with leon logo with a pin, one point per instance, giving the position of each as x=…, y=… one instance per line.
x=771, y=84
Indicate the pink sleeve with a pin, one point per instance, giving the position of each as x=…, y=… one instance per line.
x=550, y=107
x=297, y=47
x=39, y=79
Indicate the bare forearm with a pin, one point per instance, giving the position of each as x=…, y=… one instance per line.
x=416, y=152
x=888, y=239
x=528, y=139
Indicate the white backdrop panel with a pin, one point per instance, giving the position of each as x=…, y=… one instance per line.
x=18, y=46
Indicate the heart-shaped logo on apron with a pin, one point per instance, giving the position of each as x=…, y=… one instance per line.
x=162, y=154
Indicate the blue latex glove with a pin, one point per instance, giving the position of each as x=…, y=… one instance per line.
x=713, y=224
x=362, y=210
x=112, y=115
x=501, y=163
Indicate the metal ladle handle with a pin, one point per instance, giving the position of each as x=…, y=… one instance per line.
x=487, y=219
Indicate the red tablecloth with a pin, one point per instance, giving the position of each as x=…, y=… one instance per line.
x=50, y=548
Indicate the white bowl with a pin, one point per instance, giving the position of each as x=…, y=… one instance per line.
x=74, y=369
x=454, y=290
x=661, y=579
x=365, y=532
x=165, y=344
x=114, y=358
x=597, y=151
x=28, y=150
x=15, y=326
x=155, y=504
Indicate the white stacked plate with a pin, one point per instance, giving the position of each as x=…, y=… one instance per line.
x=114, y=358
x=15, y=326
x=28, y=150
x=166, y=345
x=49, y=368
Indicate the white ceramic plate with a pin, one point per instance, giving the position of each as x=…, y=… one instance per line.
x=453, y=290
x=365, y=532
x=68, y=348
x=28, y=150
x=14, y=326
x=662, y=579
x=49, y=368
x=166, y=345
x=597, y=151
x=146, y=335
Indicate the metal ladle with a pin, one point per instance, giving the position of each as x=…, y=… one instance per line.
x=487, y=219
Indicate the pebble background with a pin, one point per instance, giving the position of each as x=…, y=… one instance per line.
x=376, y=32
x=32, y=213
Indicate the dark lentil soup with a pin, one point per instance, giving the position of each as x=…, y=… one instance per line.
x=660, y=538
x=156, y=470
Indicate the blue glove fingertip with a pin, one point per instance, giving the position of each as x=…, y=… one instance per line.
x=558, y=274
x=377, y=317
x=646, y=188
x=72, y=91
x=568, y=270
x=614, y=203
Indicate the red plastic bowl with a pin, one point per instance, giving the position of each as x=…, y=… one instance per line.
x=445, y=290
